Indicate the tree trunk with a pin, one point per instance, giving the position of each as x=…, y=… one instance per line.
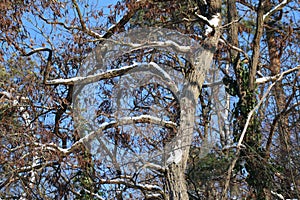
x=275, y=47
x=176, y=183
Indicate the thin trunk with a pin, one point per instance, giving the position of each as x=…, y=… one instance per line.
x=275, y=48
x=232, y=16
x=256, y=44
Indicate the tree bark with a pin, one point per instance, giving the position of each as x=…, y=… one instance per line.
x=256, y=44
x=275, y=47
x=176, y=183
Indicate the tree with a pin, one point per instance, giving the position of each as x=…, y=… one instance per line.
x=110, y=101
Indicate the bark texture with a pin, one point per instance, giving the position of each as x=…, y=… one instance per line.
x=177, y=187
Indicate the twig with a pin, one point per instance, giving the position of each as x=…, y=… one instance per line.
x=235, y=21
x=223, y=40
x=58, y=23
x=82, y=23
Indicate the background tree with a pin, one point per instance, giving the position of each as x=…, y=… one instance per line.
x=245, y=125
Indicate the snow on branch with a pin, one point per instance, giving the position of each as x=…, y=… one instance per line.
x=161, y=74
x=212, y=23
x=35, y=166
x=277, y=195
x=276, y=8
x=175, y=156
x=224, y=41
x=106, y=125
x=156, y=167
x=273, y=78
x=167, y=43
x=93, y=78
x=94, y=194
x=131, y=184
x=165, y=77
x=146, y=119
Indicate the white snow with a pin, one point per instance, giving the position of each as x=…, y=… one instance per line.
x=175, y=156
x=212, y=23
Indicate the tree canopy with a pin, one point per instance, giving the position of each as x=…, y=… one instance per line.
x=138, y=99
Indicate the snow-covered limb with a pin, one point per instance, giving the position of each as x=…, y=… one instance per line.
x=153, y=196
x=223, y=40
x=168, y=43
x=122, y=121
x=164, y=77
x=211, y=23
x=145, y=119
x=276, y=8
x=93, y=78
x=94, y=194
x=156, y=167
x=53, y=147
x=277, y=195
x=131, y=184
x=232, y=146
x=35, y=166
x=273, y=78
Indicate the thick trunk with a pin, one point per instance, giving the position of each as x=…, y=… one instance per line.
x=175, y=178
x=177, y=187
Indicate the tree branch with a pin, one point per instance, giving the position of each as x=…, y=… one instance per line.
x=223, y=40
x=58, y=23
x=48, y=65
x=113, y=29
x=93, y=78
x=272, y=78
x=123, y=121
x=82, y=23
x=276, y=8
x=131, y=184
